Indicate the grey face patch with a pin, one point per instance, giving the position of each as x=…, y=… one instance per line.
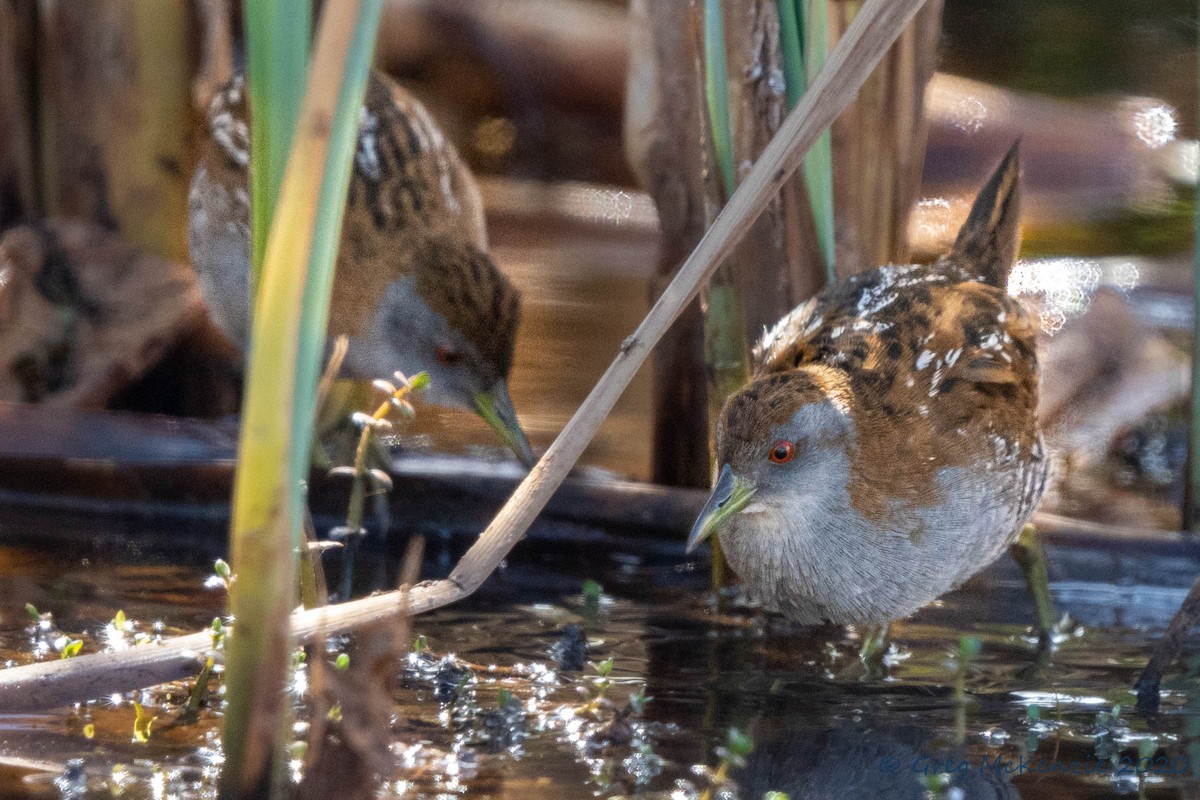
x=405, y=334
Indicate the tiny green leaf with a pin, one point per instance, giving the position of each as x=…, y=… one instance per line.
x=1147, y=747
x=605, y=668
x=968, y=648
x=118, y=621
x=504, y=697
x=72, y=648
x=419, y=381
x=342, y=662
x=936, y=781
x=592, y=591
x=32, y=611
x=221, y=567
x=142, y=722
x=739, y=743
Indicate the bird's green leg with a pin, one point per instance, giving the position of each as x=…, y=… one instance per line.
x=1030, y=556
x=875, y=643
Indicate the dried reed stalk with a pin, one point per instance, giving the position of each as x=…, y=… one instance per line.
x=879, y=23
x=115, y=114
x=879, y=144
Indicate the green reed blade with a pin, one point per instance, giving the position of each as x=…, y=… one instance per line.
x=277, y=36
x=791, y=41
x=1191, y=510
x=818, y=164
x=716, y=90
x=287, y=338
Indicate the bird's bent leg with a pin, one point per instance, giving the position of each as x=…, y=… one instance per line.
x=1167, y=649
x=875, y=643
x=1030, y=556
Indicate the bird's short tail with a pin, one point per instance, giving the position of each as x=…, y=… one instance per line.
x=988, y=241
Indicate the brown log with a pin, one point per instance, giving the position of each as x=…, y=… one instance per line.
x=83, y=313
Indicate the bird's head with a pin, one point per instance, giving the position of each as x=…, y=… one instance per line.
x=780, y=441
x=454, y=316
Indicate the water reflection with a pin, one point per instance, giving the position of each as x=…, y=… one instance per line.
x=863, y=761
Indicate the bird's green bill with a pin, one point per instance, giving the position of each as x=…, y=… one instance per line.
x=729, y=496
x=496, y=408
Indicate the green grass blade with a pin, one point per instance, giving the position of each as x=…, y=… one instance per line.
x=287, y=337
x=277, y=35
x=1191, y=510
x=818, y=165
x=716, y=89
x=725, y=346
x=315, y=313
x=795, y=76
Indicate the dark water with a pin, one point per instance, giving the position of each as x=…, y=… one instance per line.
x=820, y=726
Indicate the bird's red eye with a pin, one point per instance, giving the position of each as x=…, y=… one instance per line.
x=447, y=356
x=782, y=451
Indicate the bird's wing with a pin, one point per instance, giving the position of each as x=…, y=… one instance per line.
x=916, y=330
x=978, y=335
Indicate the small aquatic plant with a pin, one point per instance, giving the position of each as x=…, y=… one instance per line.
x=396, y=400
x=732, y=754
x=964, y=657
x=592, y=592
x=143, y=723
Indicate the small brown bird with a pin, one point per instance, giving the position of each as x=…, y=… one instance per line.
x=414, y=288
x=888, y=446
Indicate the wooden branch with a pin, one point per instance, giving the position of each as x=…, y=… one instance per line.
x=874, y=29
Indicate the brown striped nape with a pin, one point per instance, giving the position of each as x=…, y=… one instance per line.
x=458, y=281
